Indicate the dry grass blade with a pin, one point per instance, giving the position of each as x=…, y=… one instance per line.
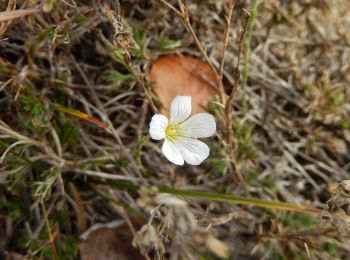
x=10, y=15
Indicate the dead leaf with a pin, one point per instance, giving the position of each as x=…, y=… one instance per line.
x=173, y=75
x=109, y=241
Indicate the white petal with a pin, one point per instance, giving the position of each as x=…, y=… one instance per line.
x=194, y=152
x=172, y=153
x=199, y=126
x=157, y=127
x=180, y=109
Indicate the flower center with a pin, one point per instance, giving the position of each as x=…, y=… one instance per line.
x=172, y=131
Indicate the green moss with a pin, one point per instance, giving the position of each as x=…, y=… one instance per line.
x=243, y=133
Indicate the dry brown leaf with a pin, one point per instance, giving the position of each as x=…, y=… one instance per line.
x=109, y=241
x=173, y=75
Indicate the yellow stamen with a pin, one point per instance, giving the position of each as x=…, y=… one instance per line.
x=172, y=131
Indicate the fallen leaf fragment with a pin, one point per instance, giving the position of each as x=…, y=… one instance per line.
x=109, y=242
x=174, y=75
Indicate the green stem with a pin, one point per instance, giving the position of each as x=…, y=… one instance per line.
x=242, y=200
x=51, y=237
x=227, y=198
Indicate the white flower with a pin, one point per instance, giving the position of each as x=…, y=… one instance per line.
x=181, y=132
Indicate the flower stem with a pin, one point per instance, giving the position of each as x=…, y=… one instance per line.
x=244, y=201
x=228, y=198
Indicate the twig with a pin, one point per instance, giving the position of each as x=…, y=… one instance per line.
x=185, y=18
x=227, y=102
x=171, y=7
x=222, y=55
x=104, y=175
x=227, y=112
x=4, y=16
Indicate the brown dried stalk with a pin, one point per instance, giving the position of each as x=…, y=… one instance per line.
x=230, y=99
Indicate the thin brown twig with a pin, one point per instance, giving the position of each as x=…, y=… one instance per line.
x=141, y=79
x=222, y=54
x=185, y=18
x=227, y=102
x=171, y=7
x=240, y=50
x=11, y=5
x=227, y=112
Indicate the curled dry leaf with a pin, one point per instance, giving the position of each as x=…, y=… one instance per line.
x=173, y=75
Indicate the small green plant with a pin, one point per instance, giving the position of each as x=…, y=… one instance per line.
x=67, y=132
x=138, y=151
x=37, y=113
x=118, y=55
x=243, y=132
x=215, y=107
x=165, y=44
x=295, y=221
x=267, y=183
x=43, y=187
x=117, y=79
x=139, y=35
x=218, y=160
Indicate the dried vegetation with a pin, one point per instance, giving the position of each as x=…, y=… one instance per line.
x=76, y=100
